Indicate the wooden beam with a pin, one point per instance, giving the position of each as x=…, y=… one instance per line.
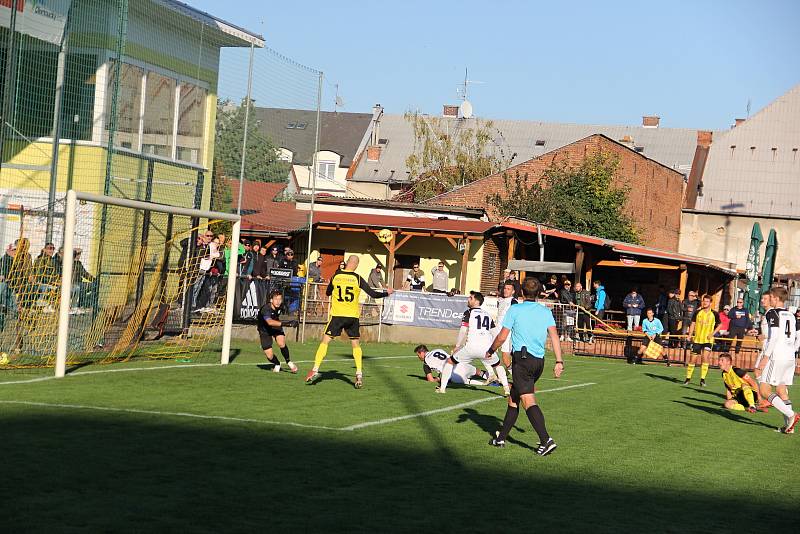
x=464, y=264
x=452, y=242
x=268, y=243
x=512, y=241
x=683, y=280
x=638, y=265
x=390, y=263
x=578, y=261
x=403, y=241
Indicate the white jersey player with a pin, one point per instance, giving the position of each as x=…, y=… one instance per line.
x=474, y=339
x=504, y=304
x=763, y=335
x=782, y=343
x=434, y=360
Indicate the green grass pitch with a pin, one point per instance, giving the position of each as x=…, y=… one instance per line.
x=203, y=448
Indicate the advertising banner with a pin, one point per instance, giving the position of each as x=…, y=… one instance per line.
x=431, y=310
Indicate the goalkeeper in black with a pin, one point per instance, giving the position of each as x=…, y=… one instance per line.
x=269, y=327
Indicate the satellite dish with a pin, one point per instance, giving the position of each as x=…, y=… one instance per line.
x=465, y=109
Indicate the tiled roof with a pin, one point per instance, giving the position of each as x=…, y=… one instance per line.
x=671, y=147
x=261, y=214
x=425, y=224
x=754, y=168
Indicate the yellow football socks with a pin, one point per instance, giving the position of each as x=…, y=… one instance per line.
x=357, y=355
x=322, y=350
x=689, y=371
x=748, y=395
x=703, y=371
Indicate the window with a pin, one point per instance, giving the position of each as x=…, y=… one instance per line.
x=129, y=99
x=191, y=123
x=326, y=170
x=540, y=142
x=159, y=115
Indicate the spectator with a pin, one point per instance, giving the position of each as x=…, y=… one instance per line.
x=7, y=299
x=724, y=329
x=273, y=260
x=288, y=261
x=550, y=289
x=440, y=279
x=375, y=278
x=259, y=271
x=83, y=283
x=661, y=304
x=674, y=314
x=415, y=281
x=315, y=271
x=567, y=297
x=740, y=324
x=207, y=254
x=634, y=306
x=45, y=270
x=600, y=299
x=690, y=306
x=342, y=265
x=652, y=329
x=583, y=298
x=509, y=276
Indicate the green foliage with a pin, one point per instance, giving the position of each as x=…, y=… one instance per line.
x=221, y=200
x=261, y=164
x=577, y=198
x=448, y=154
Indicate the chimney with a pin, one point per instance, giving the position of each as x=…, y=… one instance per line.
x=449, y=110
x=377, y=113
x=704, y=138
x=650, y=121
x=374, y=153
x=738, y=122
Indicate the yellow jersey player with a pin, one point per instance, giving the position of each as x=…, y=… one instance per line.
x=705, y=324
x=344, y=291
x=741, y=391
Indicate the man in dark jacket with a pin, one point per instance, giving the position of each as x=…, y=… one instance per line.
x=567, y=297
x=674, y=314
x=689, y=306
x=634, y=307
x=741, y=323
x=583, y=298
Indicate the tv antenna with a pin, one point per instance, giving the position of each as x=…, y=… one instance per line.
x=465, y=109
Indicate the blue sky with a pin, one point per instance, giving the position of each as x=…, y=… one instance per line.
x=695, y=64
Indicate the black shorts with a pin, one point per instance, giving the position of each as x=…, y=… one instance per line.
x=697, y=348
x=348, y=324
x=267, y=335
x=525, y=372
x=740, y=398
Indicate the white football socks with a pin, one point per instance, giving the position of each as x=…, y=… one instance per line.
x=447, y=372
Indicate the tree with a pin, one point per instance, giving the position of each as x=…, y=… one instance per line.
x=261, y=162
x=577, y=198
x=221, y=200
x=448, y=154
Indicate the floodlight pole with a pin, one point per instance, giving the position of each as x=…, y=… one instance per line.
x=312, y=174
x=66, y=285
x=230, y=294
x=247, y=101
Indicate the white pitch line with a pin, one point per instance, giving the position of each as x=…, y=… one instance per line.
x=28, y=381
x=166, y=414
x=451, y=408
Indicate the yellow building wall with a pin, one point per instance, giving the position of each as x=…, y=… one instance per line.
x=430, y=250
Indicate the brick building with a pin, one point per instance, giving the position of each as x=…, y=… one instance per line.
x=654, y=201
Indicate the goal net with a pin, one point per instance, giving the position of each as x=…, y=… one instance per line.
x=124, y=280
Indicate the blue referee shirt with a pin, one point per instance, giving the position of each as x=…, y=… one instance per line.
x=528, y=322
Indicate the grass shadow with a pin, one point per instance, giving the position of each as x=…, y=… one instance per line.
x=490, y=424
x=672, y=379
x=724, y=412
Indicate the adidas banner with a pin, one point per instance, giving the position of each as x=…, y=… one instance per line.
x=249, y=297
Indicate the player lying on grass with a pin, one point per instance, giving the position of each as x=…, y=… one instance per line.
x=269, y=327
x=741, y=391
x=474, y=339
x=344, y=290
x=434, y=360
x=782, y=343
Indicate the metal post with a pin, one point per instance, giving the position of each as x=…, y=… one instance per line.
x=247, y=101
x=313, y=177
x=66, y=286
x=59, y=98
x=148, y=196
x=233, y=263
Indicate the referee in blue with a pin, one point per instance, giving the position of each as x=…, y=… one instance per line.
x=529, y=325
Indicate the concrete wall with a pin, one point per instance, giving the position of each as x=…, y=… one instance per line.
x=728, y=239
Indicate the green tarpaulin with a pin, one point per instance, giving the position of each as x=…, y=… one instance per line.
x=768, y=269
x=753, y=295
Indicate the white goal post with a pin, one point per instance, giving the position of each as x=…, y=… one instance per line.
x=70, y=217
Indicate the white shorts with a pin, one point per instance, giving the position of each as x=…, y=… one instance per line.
x=778, y=372
x=462, y=372
x=472, y=352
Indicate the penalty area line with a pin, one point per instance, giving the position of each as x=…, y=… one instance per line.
x=137, y=411
x=451, y=408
